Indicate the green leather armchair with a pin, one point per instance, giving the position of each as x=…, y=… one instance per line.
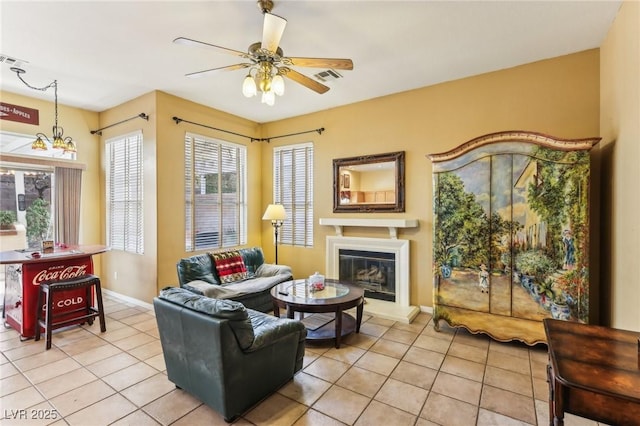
x=227, y=356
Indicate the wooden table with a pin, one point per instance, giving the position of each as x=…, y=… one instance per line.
x=295, y=296
x=593, y=372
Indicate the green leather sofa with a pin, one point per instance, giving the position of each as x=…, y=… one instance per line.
x=227, y=356
x=198, y=274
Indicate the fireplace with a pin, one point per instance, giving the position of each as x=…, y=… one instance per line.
x=372, y=270
x=382, y=267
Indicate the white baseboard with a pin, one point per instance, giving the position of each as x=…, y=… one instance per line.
x=426, y=309
x=127, y=299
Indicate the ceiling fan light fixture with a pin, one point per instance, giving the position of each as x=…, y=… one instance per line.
x=269, y=98
x=278, y=85
x=249, y=86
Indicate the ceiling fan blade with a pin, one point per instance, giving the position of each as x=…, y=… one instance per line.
x=198, y=74
x=189, y=42
x=304, y=80
x=272, y=31
x=335, y=63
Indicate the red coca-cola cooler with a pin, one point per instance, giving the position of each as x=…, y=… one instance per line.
x=23, y=285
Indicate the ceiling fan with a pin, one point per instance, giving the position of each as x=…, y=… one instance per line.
x=266, y=61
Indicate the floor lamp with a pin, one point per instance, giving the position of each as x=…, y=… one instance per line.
x=276, y=214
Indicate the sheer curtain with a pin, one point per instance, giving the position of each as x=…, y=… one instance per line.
x=67, y=205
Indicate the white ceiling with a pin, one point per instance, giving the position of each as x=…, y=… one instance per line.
x=106, y=53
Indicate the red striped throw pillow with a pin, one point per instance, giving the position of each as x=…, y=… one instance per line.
x=230, y=266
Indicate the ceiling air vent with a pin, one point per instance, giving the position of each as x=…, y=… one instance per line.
x=12, y=62
x=328, y=75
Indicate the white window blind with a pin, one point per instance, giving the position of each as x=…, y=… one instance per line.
x=293, y=188
x=215, y=193
x=125, y=193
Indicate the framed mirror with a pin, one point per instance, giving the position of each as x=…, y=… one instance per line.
x=369, y=183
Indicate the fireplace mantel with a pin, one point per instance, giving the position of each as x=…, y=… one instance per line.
x=392, y=224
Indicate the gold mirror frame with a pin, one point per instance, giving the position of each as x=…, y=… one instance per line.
x=350, y=177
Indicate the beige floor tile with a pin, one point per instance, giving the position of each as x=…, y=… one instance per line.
x=112, y=364
x=21, y=399
x=463, y=368
x=401, y=336
x=309, y=357
x=276, y=410
x=341, y=404
x=478, y=340
x=443, y=410
x=133, y=341
x=508, y=380
x=59, y=385
x=542, y=414
x=509, y=362
x=414, y=327
x=432, y=343
x=390, y=348
x=381, y=321
x=414, y=374
x=378, y=413
x=27, y=349
x=157, y=362
x=540, y=389
x=148, y=390
x=82, y=345
x=361, y=340
x=347, y=354
x=7, y=370
x=374, y=330
x=508, y=403
x=425, y=422
x=97, y=354
x=315, y=418
x=147, y=350
x=54, y=369
x=516, y=349
x=445, y=333
x=103, y=412
x=327, y=369
x=119, y=334
x=137, y=318
x=305, y=388
x=362, y=381
x=378, y=363
x=147, y=325
x=489, y=418
x=69, y=335
x=205, y=416
x=468, y=352
x=171, y=406
x=39, y=359
x=140, y=418
x=424, y=357
x=13, y=384
x=123, y=313
x=457, y=387
x=402, y=395
x=129, y=376
x=79, y=398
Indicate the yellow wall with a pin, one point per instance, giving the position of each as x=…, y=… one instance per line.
x=620, y=148
x=559, y=97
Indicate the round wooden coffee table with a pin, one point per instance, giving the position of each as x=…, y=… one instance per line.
x=337, y=297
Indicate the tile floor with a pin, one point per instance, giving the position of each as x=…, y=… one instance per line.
x=389, y=374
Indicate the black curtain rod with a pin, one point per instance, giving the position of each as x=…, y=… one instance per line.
x=141, y=115
x=252, y=139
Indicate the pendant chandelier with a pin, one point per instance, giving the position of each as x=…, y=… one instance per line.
x=57, y=140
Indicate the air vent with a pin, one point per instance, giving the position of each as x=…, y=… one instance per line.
x=328, y=75
x=12, y=62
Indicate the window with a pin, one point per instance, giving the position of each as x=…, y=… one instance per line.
x=215, y=194
x=124, y=193
x=293, y=188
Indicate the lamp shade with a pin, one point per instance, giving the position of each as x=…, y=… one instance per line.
x=275, y=212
